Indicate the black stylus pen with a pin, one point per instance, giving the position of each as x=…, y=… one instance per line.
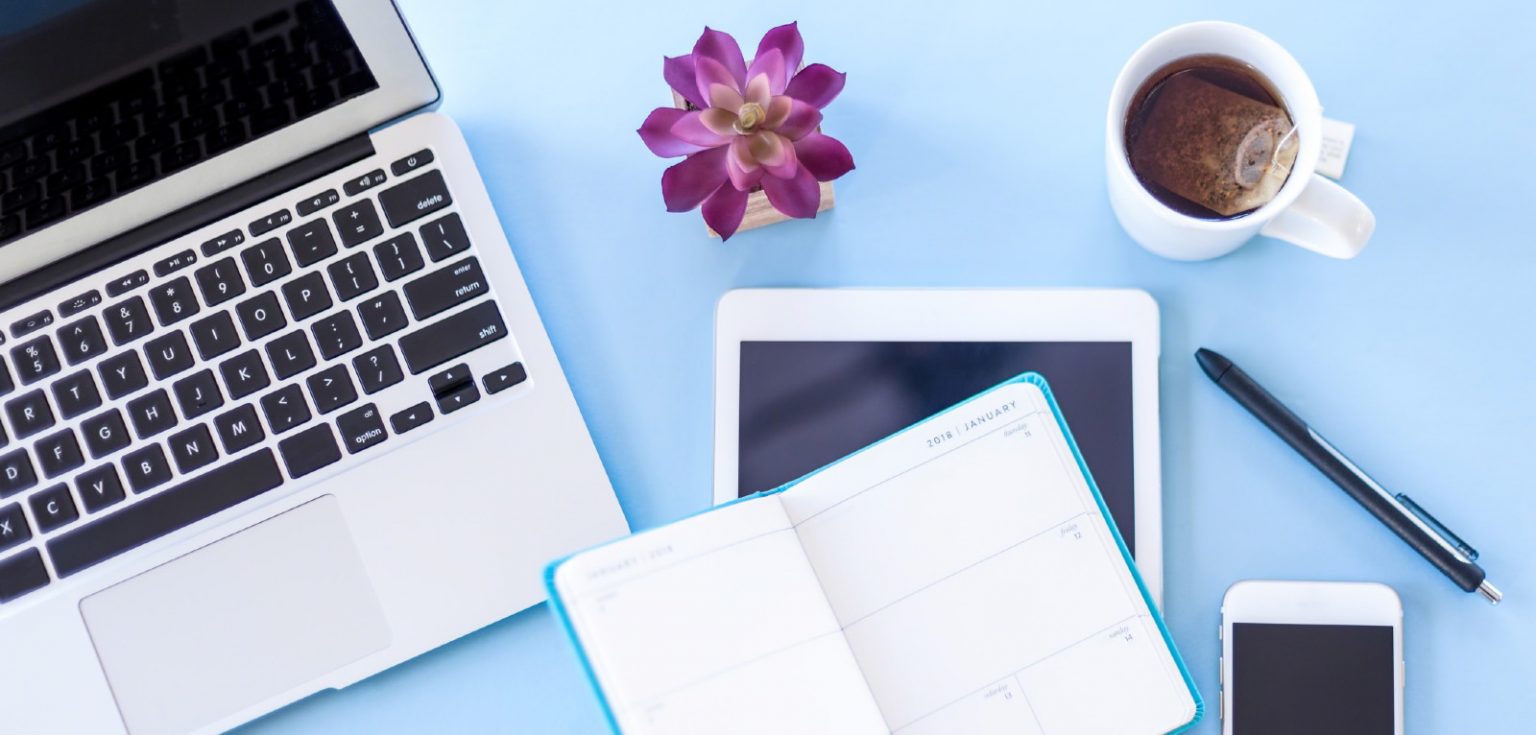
x=1410, y=522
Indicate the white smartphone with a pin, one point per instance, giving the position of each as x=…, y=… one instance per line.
x=1311, y=657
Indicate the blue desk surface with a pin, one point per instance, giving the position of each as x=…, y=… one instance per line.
x=978, y=132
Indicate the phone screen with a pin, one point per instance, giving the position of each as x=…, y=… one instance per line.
x=1316, y=679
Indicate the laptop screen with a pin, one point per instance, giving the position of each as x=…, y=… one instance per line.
x=102, y=97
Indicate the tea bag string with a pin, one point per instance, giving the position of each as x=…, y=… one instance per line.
x=1274, y=156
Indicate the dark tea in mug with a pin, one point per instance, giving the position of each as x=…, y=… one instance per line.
x=1209, y=136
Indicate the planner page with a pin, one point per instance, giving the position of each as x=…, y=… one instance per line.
x=978, y=584
x=715, y=624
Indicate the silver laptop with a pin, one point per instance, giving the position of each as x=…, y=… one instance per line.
x=278, y=411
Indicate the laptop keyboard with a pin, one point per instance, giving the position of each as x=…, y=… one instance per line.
x=205, y=100
x=229, y=367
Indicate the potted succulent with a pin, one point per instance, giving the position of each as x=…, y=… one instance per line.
x=750, y=134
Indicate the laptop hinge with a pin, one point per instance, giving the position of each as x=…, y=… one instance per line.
x=283, y=179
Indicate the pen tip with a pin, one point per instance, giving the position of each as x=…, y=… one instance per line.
x=1490, y=592
x=1212, y=363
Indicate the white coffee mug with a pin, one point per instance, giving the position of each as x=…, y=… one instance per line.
x=1309, y=210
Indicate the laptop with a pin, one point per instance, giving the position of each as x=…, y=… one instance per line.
x=278, y=412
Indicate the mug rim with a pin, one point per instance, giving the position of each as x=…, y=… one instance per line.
x=1299, y=98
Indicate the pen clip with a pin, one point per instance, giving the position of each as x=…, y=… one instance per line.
x=1439, y=528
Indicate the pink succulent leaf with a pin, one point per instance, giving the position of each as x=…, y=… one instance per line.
x=759, y=90
x=776, y=154
x=770, y=66
x=721, y=47
x=816, y=85
x=656, y=131
x=724, y=98
x=801, y=121
x=719, y=120
x=690, y=128
x=680, y=76
x=786, y=40
x=743, y=169
x=684, y=185
x=824, y=156
x=777, y=111
x=711, y=74
x=796, y=197
x=724, y=209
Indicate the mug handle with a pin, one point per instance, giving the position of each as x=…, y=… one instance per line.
x=1325, y=219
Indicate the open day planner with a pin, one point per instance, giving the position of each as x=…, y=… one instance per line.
x=957, y=577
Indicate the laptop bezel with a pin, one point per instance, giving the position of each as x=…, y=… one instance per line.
x=405, y=86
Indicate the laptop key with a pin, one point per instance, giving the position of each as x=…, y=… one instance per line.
x=192, y=449
x=412, y=162
x=290, y=354
x=457, y=398
x=198, y=394
x=337, y=335
x=331, y=388
x=445, y=288
x=105, y=433
x=173, y=301
x=82, y=340
x=270, y=222
x=13, y=526
x=122, y=374
x=311, y=242
x=352, y=276
x=435, y=344
x=52, y=508
x=265, y=262
x=58, y=453
x=219, y=281
x=238, y=429
x=285, y=408
x=29, y=413
x=127, y=321
x=21, y=574
x=128, y=282
x=306, y=296
x=75, y=394
x=363, y=183
x=398, y=256
x=411, y=417
x=309, y=450
x=261, y=315
x=99, y=488
x=244, y=374
x=151, y=413
x=504, y=378
x=382, y=315
x=6, y=385
x=357, y=223
x=214, y=335
x=176, y=507
x=415, y=198
x=35, y=360
x=168, y=354
x=16, y=473
x=444, y=237
x=361, y=428
x=377, y=369
x=146, y=468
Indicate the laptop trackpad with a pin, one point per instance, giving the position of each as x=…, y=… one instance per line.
x=236, y=622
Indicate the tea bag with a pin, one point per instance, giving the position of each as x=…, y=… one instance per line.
x=1222, y=150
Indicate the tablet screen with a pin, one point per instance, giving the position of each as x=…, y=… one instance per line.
x=805, y=404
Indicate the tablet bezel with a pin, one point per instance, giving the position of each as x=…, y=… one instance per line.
x=955, y=315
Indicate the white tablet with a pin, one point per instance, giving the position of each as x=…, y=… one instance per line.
x=806, y=376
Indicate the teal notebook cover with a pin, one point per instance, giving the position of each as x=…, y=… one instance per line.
x=559, y=606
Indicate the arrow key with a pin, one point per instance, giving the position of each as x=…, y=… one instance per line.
x=411, y=417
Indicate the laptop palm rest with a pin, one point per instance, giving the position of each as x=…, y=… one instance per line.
x=236, y=622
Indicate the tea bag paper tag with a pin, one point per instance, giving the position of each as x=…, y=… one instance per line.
x=1337, y=137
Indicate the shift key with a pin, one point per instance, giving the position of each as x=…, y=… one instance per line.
x=416, y=198
x=446, y=288
x=438, y=343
